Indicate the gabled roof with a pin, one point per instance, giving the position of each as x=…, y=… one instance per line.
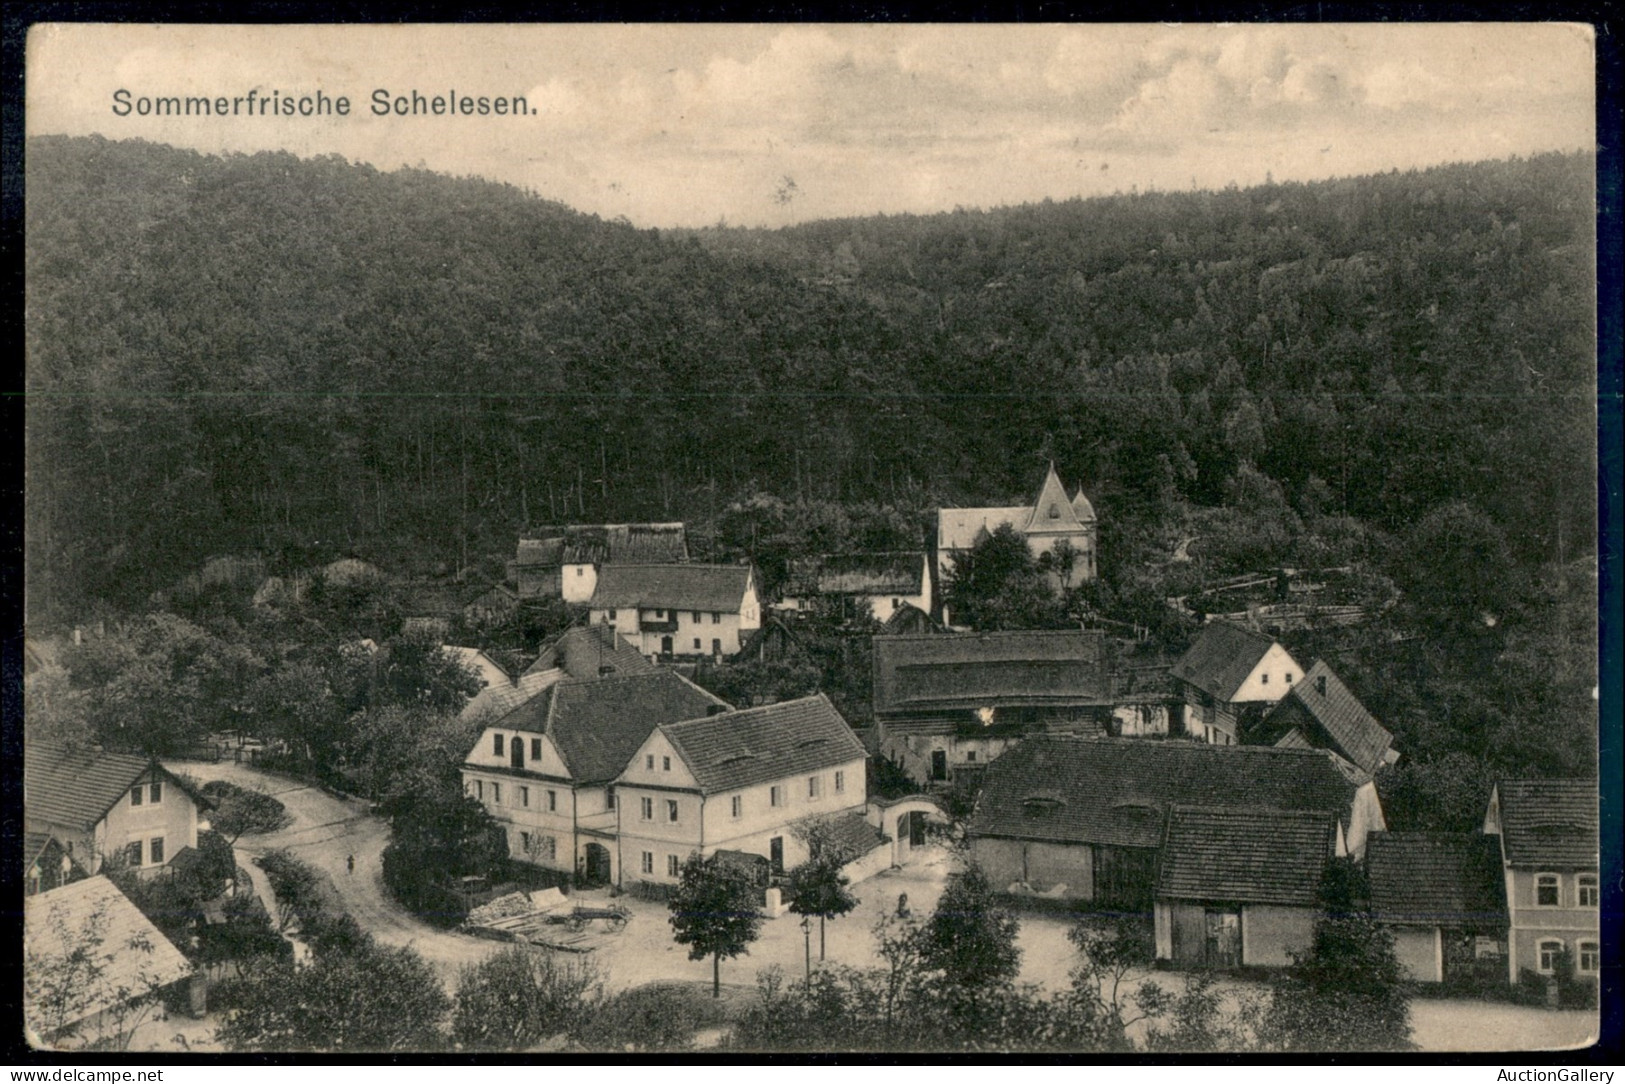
x=1245, y=855
x=135, y=958
x=990, y=669
x=1351, y=729
x=910, y=619
x=1549, y=822
x=1221, y=658
x=495, y=701
x=596, y=543
x=758, y=745
x=36, y=843
x=587, y=650
x=472, y=658
x=888, y=573
x=598, y=723
x=1117, y=790
x=1436, y=878
x=1053, y=510
x=75, y=789
x=710, y=588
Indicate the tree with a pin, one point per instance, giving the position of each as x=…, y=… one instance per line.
x=997, y=584
x=519, y=997
x=375, y=1000
x=1345, y=993
x=715, y=913
x=413, y=670
x=240, y=811
x=817, y=887
x=436, y=838
x=969, y=937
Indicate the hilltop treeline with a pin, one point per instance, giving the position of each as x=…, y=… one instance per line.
x=307, y=357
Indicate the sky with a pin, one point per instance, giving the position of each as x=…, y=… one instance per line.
x=768, y=125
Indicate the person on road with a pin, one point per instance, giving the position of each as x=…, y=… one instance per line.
x=350, y=863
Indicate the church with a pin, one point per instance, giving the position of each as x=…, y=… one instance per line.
x=1053, y=524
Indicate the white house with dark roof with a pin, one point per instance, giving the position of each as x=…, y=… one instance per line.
x=546, y=770
x=1051, y=520
x=1549, y=844
x=1442, y=897
x=737, y=781
x=100, y=805
x=1228, y=678
x=678, y=610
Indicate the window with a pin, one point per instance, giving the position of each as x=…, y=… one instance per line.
x=524, y=797
x=671, y=865
x=648, y=811
x=696, y=643
x=812, y=786
x=737, y=806
x=970, y=756
x=649, y=762
x=1588, y=890
x=1548, y=953
x=155, y=850
x=696, y=616
x=609, y=797
x=840, y=782
x=775, y=796
x=496, y=745
x=648, y=862
x=716, y=619
x=536, y=749
x=552, y=801
x=665, y=764
x=1546, y=890
x=133, y=853
x=1588, y=961
x=1263, y=679
x=548, y=847
x=496, y=793
x=524, y=843
x=612, y=615
x=580, y=570
x=660, y=614
x=479, y=789
x=136, y=795
x=671, y=811
x=716, y=647
x=1289, y=677
x=155, y=794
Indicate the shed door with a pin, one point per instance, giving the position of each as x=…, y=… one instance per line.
x=1190, y=934
x=1223, y=939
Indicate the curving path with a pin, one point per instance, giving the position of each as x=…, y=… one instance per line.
x=325, y=831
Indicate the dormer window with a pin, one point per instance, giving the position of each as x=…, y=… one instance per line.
x=1054, y=512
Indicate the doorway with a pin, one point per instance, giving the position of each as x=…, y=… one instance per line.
x=597, y=868
x=939, y=766
x=665, y=645
x=775, y=855
x=916, y=829
x=1223, y=939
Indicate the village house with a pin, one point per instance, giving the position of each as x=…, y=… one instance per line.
x=1227, y=679
x=1321, y=713
x=1087, y=818
x=588, y=651
x=1240, y=887
x=948, y=704
x=1060, y=532
x=563, y=562
x=546, y=771
x=47, y=863
x=488, y=670
x=1443, y=896
x=678, y=610
x=738, y=782
x=121, y=957
x=109, y=806
x=873, y=585
x=1547, y=829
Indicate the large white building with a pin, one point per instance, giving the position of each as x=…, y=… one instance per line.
x=678, y=610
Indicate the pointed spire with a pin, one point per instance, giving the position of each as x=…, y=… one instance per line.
x=1052, y=511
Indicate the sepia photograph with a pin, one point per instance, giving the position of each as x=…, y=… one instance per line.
x=883, y=539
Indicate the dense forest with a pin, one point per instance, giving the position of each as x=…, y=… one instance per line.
x=302, y=359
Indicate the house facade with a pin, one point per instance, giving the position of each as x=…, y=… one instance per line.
x=737, y=782
x=1442, y=896
x=1228, y=679
x=677, y=611
x=546, y=771
x=1086, y=818
x=1240, y=887
x=1548, y=842
x=949, y=704
x=1060, y=531
x=110, y=806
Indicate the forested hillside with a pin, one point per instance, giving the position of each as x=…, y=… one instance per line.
x=308, y=358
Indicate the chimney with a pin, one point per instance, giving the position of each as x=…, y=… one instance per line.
x=78, y=635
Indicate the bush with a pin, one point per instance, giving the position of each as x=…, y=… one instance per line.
x=649, y=1018
x=519, y=997
x=1531, y=988
x=242, y=811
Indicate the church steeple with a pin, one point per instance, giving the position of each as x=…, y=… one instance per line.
x=1052, y=511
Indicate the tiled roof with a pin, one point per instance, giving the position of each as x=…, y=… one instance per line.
x=598, y=723
x=959, y=528
x=707, y=588
x=76, y=789
x=1294, y=739
x=495, y=701
x=583, y=652
x=894, y=573
x=1436, y=878
x=1064, y=666
x=1322, y=698
x=134, y=956
x=1118, y=790
x=910, y=619
x=1245, y=855
x=1082, y=508
x=852, y=836
x=34, y=844
x=744, y=748
x=540, y=552
x=596, y=543
x=1221, y=658
x=1549, y=822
